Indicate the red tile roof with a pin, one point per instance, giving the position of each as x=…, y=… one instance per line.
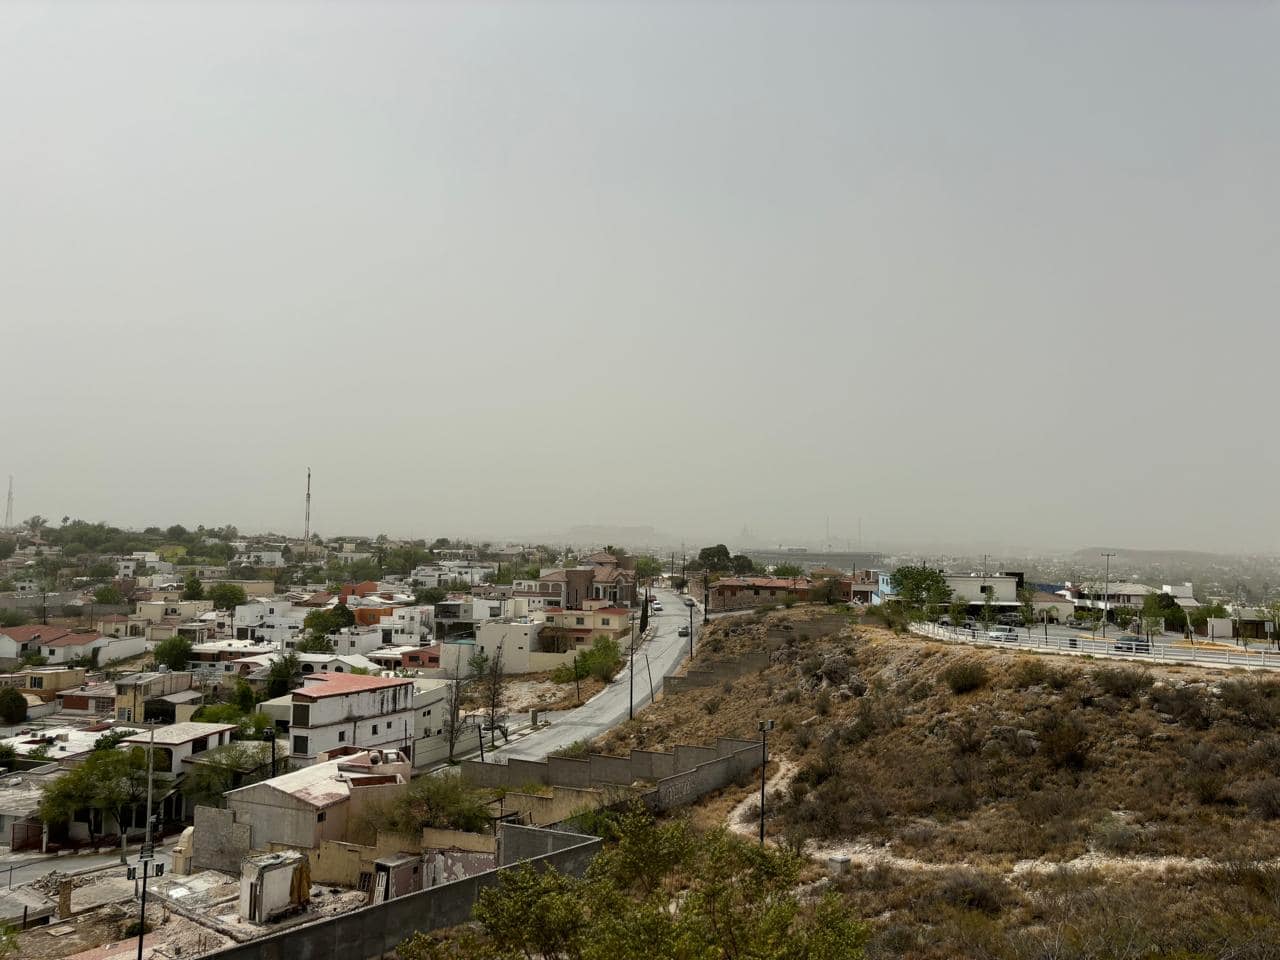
x=786, y=583
x=337, y=684
x=38, y=631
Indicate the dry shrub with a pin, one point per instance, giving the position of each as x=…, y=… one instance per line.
x=965, y=676
x=1263, y=798
x=1112, y=835
x=1187, y=705
x=1256, y=702
x=1065, y=741
x=974, y=890
x=1123, y=682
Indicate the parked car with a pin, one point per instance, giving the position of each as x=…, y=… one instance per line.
x=1002, y=634
x=944, y=621
x=655, y=606
x=1128, y=644
x=683, y=631
x=1073, y=623
x=1010, y=619
x=688, y=601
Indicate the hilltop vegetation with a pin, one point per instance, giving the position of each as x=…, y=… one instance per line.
x=990, y=800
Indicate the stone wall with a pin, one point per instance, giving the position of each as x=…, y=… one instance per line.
x=709, y=674
x=681, y=777
x=218, y=842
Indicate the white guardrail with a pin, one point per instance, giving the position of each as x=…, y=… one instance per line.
x=1126, y=647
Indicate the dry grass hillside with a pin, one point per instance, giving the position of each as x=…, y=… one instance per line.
x=994, y=802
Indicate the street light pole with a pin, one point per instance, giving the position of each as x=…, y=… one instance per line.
x=1106, y=596
x=690, y=633
x=765, y=727
x=631, y=691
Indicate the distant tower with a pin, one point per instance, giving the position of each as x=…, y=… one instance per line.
x=8, y=506
x=306, y=529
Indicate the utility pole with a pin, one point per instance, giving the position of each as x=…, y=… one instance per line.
x=8, y=506
x=1106, y=595
x=306, y=528
x=144, y=870
x=765, y=727
x=631, y=693
x=690, y=634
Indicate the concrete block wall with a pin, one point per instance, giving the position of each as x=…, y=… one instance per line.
x=218, y=842
x=527, y=771
x=605, y=769
x=568, y=772
x=709, y=674
x=374, y=931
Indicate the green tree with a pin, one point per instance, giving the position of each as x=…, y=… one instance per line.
x=741, y=564
x=109, y=594
x=1028, y=609
x=283, y=674
x=647, y=567
x=314, y=643
x=192, y=588
x=13, y=706
x=788, y=570
x=13, y=618
x=1162, y=607
x=958, y=610
x=226, y=596
x=430, y=595
x=737, y=900
x=174, y=653
x=120, y=784
x=226, y=768
x=921, y=588
x=715, y=559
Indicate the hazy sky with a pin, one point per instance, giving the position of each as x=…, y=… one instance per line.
x=999, y=272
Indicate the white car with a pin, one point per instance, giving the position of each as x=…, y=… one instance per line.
x=1002, y=634
x=655, y=606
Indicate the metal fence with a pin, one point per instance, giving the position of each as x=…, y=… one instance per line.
x=1126, y=647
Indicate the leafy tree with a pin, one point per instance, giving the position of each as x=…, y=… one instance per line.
x=921, y=587
x=13, y=706
x=35, y=523
x=444, y=802
x=737, y=900
x=227, y=768
x=1163, y=607
x=430, y=595
x=34, y=660
x=7, y=546
x=282, y=675
x=827, y=591
x=320, y=623
x=715, y=559
x=788, y=570
x=112, y=739
x=120, y=784
x=244, y=698
x=1028, y=608
x=314, y=643
x=192, y=588
x=958, y=610
x=226, y=596
x=647, y=567
x=742, y=564
x=109, y=594
x=13, y=618
x=174, y=653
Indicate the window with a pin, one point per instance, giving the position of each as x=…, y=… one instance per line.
x=604, y=621
x=579, y=621
x=342, y=736
x=987, y=589
x=37, y=683
x=375, y=728
x=301, y=715
x=320, y=817
x=301, y=745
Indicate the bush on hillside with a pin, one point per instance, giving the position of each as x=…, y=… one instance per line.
x=965, y=676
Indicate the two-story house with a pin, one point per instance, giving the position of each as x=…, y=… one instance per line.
x=134, y=691
x=332, y=710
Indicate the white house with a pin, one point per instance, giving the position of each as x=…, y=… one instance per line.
x=430, y=711
x=76, y=646
x=445, y=572
x=518, y=640
x=153, y=611
x=277, y=622
x=976, y=587
x=332, y=710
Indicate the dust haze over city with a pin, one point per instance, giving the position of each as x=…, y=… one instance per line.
x=901, y=275
x=639, y=479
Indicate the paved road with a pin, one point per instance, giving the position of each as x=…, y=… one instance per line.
x=1166, y=649
x=665, y=650
x=20, y=868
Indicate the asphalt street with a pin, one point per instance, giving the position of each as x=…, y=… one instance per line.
x=664, y=650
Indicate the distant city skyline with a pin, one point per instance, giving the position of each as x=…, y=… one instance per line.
x=973, y=272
